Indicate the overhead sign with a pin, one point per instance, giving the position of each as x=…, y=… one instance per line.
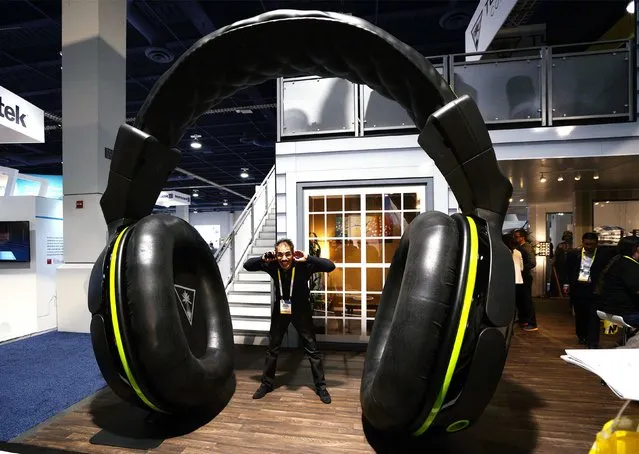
x=489, y=17
x=20, y=121
x=173, y=198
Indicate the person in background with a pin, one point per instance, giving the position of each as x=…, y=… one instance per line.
x=290, y=271
x=583, y=269
x=315, y=282
x=529, y=322
x=518, y=263
x=559, y=261
x=618, y=286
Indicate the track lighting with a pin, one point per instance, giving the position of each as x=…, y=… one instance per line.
x=596, y=175
x=560, y=178
x=542, y=179
x=578, y=177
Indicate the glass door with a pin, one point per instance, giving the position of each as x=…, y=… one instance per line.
x=359, y=229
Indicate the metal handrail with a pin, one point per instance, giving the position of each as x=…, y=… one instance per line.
x=227, y=241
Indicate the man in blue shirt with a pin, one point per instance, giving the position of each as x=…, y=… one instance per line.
x=290, y=271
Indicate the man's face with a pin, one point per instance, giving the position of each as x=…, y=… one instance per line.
x=284, y=255
x=589, y=246
x=518, y=238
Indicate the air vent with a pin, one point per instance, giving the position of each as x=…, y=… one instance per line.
x=454, y=20
x=159, y=55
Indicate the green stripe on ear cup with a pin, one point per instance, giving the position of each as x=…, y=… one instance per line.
x=116, y=324
x=461, y=328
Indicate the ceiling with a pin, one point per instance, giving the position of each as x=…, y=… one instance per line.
x=240, y=135
x=615, y=173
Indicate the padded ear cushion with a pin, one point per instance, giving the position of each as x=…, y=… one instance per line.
x=177, y=321
x=412, y=319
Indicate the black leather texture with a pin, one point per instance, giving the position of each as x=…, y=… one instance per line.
x=185, y=365
x=412, y=317
x=286, y=43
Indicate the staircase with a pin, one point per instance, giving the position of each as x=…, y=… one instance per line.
x=249, y=294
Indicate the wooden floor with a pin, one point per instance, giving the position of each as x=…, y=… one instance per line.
x=543, y=405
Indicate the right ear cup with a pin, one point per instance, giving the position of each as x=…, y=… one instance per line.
x=418, y=307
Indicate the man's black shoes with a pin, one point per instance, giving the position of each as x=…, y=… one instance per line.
x=262, y=391
x=324, y=395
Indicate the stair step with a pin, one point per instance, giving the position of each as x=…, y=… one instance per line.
x=250, y=310
x=268, y=228
x=252, y=287
x=250, y=338
x=253, y=276
x=259, y=250
x=244, y=297
x=245, y=324
x=263, y=242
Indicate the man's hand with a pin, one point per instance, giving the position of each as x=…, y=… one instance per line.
x=269, y=257
x=300, y=256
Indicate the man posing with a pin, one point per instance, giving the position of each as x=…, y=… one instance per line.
x=290, y=271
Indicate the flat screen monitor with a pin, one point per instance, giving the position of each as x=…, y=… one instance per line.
x=15, y=243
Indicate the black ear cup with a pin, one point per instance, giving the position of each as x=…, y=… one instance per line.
x=426, y=325
x=169, y=315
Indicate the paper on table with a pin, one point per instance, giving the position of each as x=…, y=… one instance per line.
x=618, y=367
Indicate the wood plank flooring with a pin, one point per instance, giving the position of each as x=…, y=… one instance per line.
x=542, y=405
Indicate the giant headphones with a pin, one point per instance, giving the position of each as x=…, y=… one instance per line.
x=161, y=327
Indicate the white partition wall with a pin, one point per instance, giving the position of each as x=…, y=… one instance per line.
x=28, y=290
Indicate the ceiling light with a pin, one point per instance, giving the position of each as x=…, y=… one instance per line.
x=195, y=143
x=510, y=200
x=560, y=178
x=195, y=211
x=195, y=194
x=631, y=7
x=577, y=177
x=244, y=173
x=543, y=178
x=225, y=203
x=595, y=176
x=521, y=200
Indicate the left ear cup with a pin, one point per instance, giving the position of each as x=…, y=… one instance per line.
x=175, y=325
x=417, y=305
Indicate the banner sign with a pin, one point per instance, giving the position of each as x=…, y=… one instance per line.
x=173, y=198
x=20, y=121
x=488, y=19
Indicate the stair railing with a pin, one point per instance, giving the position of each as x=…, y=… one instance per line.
x=235, y=247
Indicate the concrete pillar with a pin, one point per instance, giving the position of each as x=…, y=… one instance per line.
x=93, y=108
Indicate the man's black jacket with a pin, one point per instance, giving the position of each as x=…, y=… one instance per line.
x=573, y=264
x=303, y=271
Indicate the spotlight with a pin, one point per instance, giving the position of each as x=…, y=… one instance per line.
x=521, y=200
x=578, y=177
x=244, y=173
x=542, y=179
x=595, y=176
x=560, y=178
x=631, y=7
x=195, y=141
x=225, y=203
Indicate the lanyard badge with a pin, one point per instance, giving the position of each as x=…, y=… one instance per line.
x=584, y=268
x=285, y=304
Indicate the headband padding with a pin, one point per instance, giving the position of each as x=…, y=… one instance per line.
x=184, y=365
x=287, y=43
x=413, y=314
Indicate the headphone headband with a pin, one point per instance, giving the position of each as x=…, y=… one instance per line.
x=286, y=43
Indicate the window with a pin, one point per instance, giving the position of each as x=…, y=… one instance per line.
x=359, y=229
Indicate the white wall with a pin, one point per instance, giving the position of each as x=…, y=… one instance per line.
x=295, y=162
x=225, y=219
x=28, y=290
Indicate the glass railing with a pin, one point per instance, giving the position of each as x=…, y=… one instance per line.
x=235, y=248
x=518, y=88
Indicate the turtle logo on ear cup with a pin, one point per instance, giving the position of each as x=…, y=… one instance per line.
x=186, y=297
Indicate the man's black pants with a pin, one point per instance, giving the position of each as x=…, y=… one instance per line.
x=303, y=323
x=587, y=323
